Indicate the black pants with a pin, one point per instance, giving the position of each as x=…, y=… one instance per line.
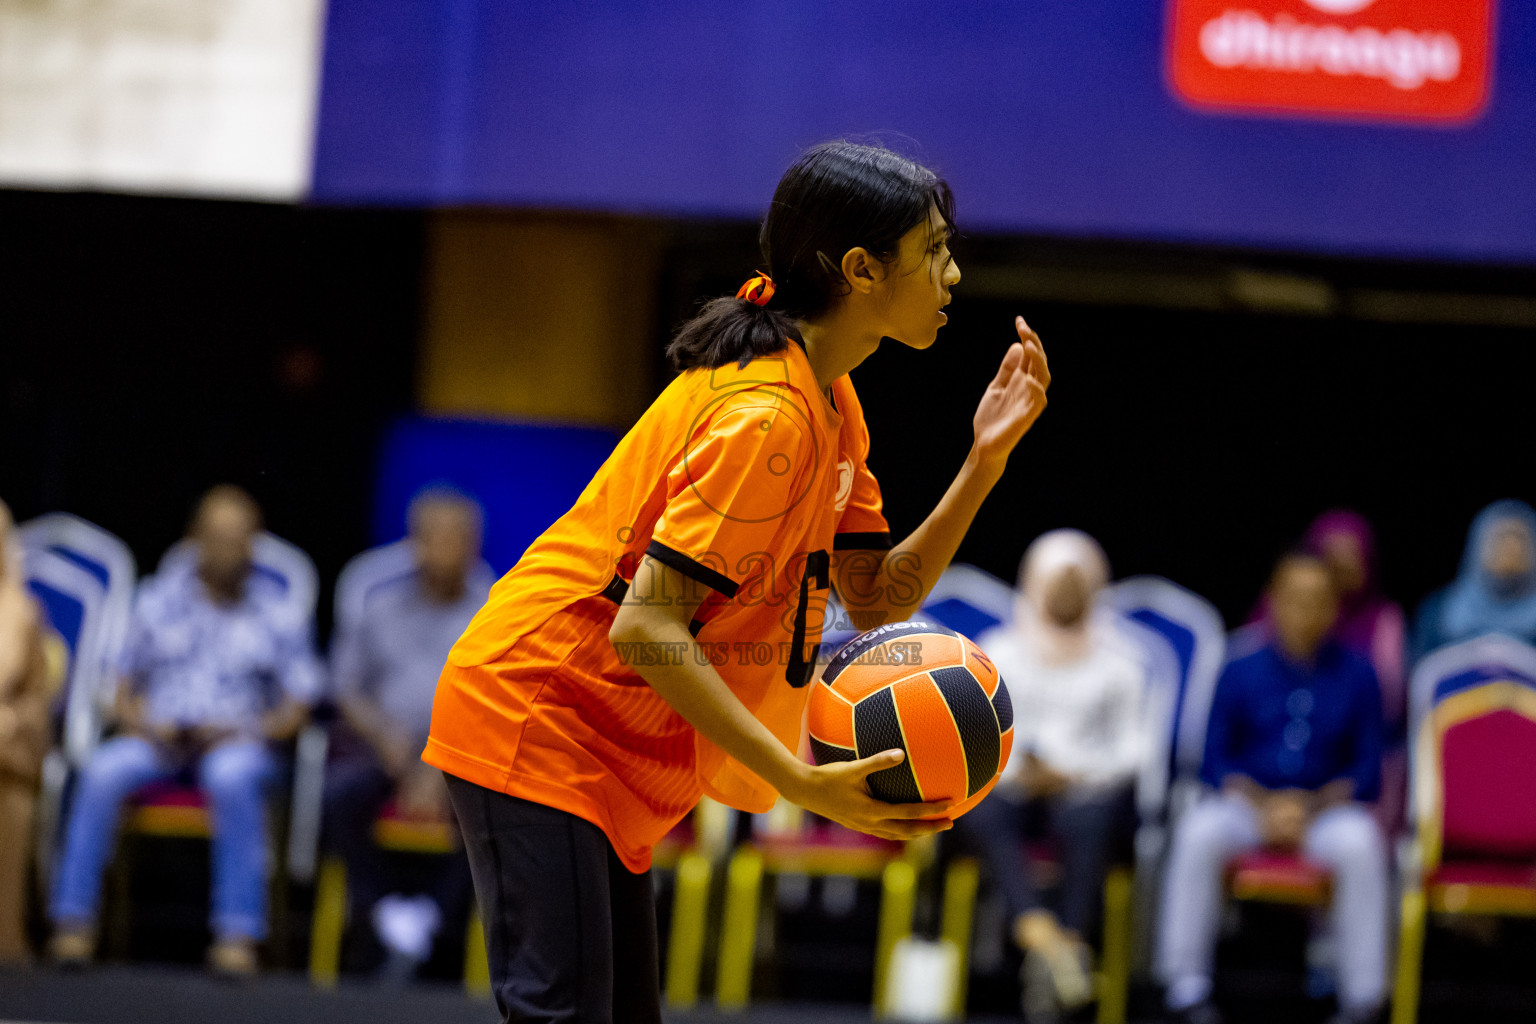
x=1092, y=832
x=570, y=932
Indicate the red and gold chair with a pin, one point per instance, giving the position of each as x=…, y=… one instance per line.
x=792, y=846
x=1267, y=877
x=1474, y=795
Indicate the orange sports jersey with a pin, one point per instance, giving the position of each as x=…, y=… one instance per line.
x=743, y=479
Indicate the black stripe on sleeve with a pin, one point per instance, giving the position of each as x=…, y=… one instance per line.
x=616, y=589
x=692, y=569
x=861, y=541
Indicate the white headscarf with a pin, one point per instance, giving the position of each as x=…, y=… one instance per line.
x=1050, y=557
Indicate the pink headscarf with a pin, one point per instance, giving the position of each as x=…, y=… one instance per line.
x=1358, y=612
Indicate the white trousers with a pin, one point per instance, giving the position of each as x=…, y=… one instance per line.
x=1345, y=838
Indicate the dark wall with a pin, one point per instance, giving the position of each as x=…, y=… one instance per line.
x=153, y=347
x=1198, y=445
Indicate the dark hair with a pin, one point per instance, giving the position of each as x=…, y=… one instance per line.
x=838, y=196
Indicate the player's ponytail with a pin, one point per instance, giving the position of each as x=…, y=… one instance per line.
x=729, y=330
x=838, y=196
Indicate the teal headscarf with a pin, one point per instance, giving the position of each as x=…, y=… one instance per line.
x=1480, y=602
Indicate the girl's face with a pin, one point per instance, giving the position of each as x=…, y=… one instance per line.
x=917, y=284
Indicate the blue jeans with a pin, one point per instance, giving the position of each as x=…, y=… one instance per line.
x=234, y=776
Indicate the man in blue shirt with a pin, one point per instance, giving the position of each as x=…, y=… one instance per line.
x=216, y=665
x=1293, y=750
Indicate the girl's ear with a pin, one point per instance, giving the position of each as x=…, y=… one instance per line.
x=861, y=270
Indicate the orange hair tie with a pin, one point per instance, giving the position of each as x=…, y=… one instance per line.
x=758, y=290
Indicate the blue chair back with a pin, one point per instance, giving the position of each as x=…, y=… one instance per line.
x=1464, y=665
x=969, y=601
x=1164, y=675
x=377, y=571
x=273, y=559
x=84, y=578
x=1195, y=633
x=966, y=599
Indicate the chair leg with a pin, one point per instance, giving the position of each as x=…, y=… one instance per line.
x=477, y=965
x=119, y=915
x=738, y=929
x=1410, y=956
x=280, y=925
x=685, y=946
x=961, y=881
x=898, y=903
x=329, y=921
x=1115, y=962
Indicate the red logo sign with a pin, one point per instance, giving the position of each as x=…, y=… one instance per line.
x=1414, y=60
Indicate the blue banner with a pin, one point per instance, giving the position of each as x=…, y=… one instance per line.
x=1055, y=118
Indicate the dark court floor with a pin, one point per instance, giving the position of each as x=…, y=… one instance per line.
x=166, y=995
x=181, y=995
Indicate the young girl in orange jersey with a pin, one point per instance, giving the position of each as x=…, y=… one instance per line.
x=654, y=644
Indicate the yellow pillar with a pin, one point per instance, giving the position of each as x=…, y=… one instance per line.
x=898, y=903
x=738, y=930
x=690, y=915
x=1410, y=957
x=1115, y=963
x=330, y=921
x=477, y=966
x=961, y=881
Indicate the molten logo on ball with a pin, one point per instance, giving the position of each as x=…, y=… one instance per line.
x=948, y=709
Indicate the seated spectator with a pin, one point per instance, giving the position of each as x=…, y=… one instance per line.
x=25, y=686
x=385, y=675
x=1374, y=628
x=1495, y=589
x=214, y=670
x=1078, y=690
x=1293, y=749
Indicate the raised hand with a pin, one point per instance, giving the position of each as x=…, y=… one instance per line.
x=1014, y=399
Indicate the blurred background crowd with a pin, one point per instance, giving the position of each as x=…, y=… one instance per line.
x=313, y=314
x=1269, y=762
